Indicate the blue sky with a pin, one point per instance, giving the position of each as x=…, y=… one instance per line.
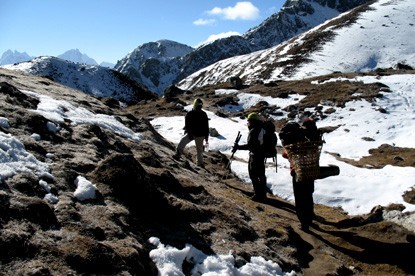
x=107, y=30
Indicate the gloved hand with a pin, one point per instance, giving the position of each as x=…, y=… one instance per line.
x=235, y=148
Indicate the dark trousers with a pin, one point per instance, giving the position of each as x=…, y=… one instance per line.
x=256, y=170
x=304, y=204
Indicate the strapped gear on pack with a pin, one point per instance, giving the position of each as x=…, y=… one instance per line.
x=269, y=141
x=303, y=146
x=291, y=133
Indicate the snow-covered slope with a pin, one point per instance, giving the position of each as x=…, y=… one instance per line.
x=94, y=80
x=370, y=37
x=296, y=16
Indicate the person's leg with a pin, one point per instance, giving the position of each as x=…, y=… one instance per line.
x=262, y=178
x=309, y=202
x=252, y=175
x=199, y=150
x=301, y=203
x=256, y=170
x=182, y=144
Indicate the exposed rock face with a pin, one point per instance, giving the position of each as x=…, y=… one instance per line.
x=294, y=18
x=154, y=64
x=142, y=192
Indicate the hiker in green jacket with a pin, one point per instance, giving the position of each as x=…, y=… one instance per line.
x=196, y=128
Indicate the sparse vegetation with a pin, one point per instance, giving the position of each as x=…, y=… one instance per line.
x=144, y=192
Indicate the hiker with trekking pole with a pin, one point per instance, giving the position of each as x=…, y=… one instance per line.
x=238, y=137
x=256, y=166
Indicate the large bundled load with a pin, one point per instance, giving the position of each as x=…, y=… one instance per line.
x=305, y=159
x=303, y=146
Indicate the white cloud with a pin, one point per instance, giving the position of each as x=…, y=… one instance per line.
x=242, y=10
x=201, y=22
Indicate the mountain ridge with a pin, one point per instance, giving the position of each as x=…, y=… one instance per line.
x=10, y=57
x=288, y=60
x=74, y=55
x=94, y=80
x=294, y=18
x=324, y=49
x=158, y=71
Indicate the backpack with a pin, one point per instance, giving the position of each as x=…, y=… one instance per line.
x=291, y=133
x=311, y=132
x=270, y=139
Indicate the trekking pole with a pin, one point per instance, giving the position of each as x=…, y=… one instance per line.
x=238, y=137
x=276, y=163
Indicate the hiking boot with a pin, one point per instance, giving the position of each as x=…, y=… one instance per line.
x=258, y=198
x=305, y=227
x=176, y=156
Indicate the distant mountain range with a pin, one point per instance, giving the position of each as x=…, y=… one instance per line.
x=11, y=57
x=74, y=55
x=295, y=17
x=158, y=65
x=77, y=56
x=302, y=47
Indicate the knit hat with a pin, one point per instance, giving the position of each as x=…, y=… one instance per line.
x=253, y=116
x=197, y=102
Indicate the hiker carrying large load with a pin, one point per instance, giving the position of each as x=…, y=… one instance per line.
x=302, y=146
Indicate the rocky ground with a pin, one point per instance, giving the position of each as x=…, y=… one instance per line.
x=143, y=192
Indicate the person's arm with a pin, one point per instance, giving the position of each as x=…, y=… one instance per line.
x=284, y=154
x=242, y=147
x=189, y=124
x=250, y=145
x=206, y=127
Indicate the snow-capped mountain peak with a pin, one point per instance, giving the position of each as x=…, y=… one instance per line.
x=372, y=36
x=10, y=57
x=151, y=63
x=75, y=55
x=157, y=72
